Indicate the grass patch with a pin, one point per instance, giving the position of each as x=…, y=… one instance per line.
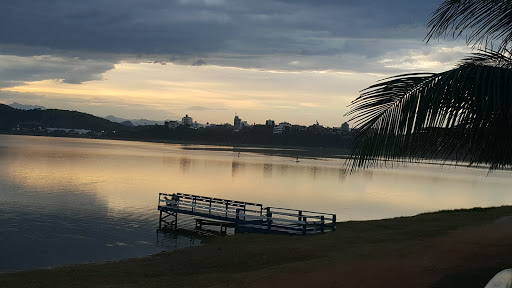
x=243, y=260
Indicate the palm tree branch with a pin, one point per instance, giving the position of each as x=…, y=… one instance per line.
x=461, y=114
x=483, y=21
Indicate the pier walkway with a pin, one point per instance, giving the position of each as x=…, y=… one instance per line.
x=242, y=216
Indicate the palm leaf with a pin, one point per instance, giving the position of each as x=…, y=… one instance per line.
x=464, y=114
x=483, y=22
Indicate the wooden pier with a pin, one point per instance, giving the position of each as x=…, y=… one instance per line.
x=244, y=217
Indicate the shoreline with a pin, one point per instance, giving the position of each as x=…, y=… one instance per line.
x=306, y=152
x=277, y=150
x=439, y=249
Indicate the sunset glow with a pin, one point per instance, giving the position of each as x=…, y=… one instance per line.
x=299, y=62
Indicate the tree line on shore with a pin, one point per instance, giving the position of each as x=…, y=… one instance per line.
x=37, y=122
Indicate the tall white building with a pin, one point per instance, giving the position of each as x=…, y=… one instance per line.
x=238, y=124
x=187, y=121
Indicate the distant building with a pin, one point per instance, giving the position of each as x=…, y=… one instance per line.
x=69, y=131
x=297, y=128
x=172, y=124
x=316, y=128
x=270, y=123
x=345, y=127
x=282, y=127
x=238, y=123
x=187, y=121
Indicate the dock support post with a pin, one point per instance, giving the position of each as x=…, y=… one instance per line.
x=237, y=221
x=160, y=221
x=269, y=218
x=333, y=222
x=322, y=229
x=305, y=219
x=300, y=217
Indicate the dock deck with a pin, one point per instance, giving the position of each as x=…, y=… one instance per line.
x=243, y=216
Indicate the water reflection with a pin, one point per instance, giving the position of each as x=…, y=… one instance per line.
x=342, y=174
x=130, y=175
x=174, y=240
x=87, y=190
x=185, y=164
x=235, y=168
x=267, y=170
x=60, y=207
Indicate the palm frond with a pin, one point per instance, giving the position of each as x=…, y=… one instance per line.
x=464, y=114
x=484, y=22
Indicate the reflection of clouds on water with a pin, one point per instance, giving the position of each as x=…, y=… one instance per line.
x=215, y=164
x=110, y=194
x=63, y=207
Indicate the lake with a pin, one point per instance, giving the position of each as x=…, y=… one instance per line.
x=68, y=200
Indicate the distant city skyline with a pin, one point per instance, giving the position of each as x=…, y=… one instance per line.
x=295, y=61
x=188, y=119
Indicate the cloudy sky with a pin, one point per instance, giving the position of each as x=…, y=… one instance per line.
x=288, y=60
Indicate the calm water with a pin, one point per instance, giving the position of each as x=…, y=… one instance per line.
x=65, y=201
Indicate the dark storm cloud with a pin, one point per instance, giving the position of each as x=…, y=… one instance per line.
x=15, y=70
x=267, y=34
x=190, y=27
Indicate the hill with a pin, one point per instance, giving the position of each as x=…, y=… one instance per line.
x=26, y=107
x=134, y=122
x=4, y=108
x=52, y=118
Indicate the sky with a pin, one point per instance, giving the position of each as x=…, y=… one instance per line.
x=299, y=61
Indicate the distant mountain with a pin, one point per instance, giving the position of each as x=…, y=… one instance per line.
x=140, y=122
x=115, y=119
x=135, y=122
x=26, y=107
x=53, y=118
x=127, y=123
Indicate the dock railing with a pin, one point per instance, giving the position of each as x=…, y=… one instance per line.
x=208, y=206
x=300, y=221
x=247, y=216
